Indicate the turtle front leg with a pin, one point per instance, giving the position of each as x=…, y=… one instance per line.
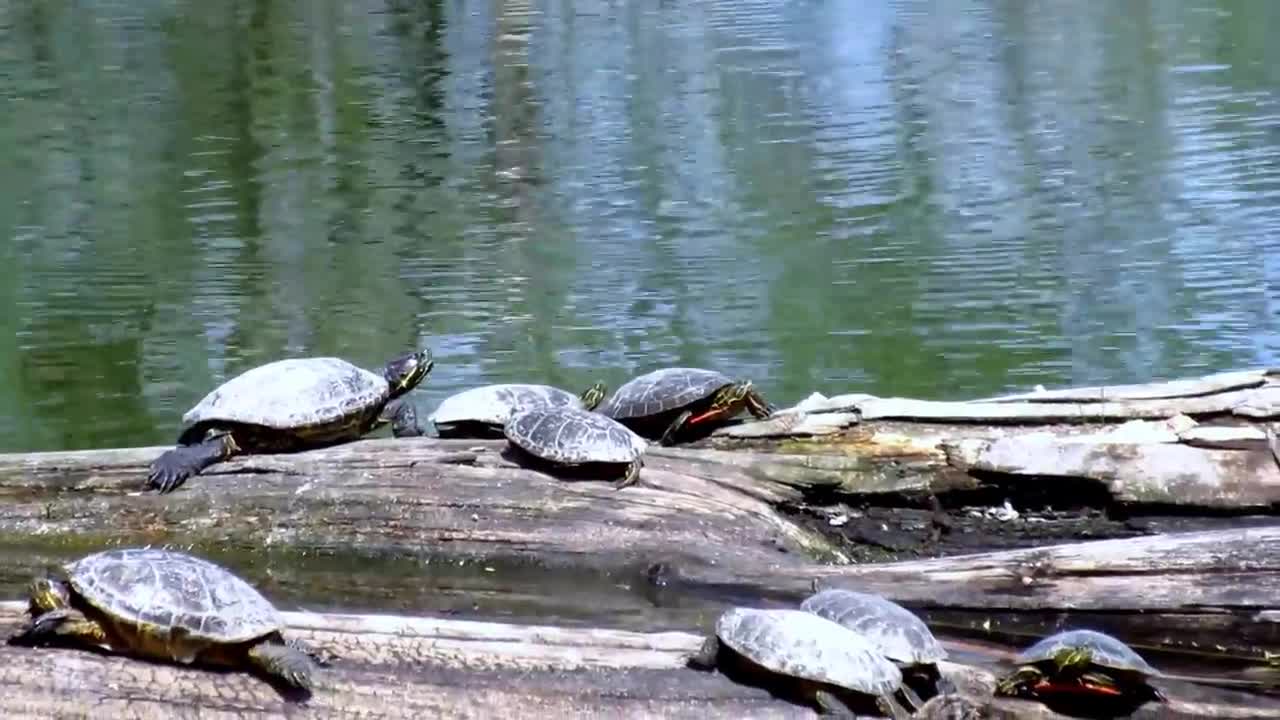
x=62, y=625
x=631, y=476
x=829, y=704
x=171, y=469
x=1017, y=682
x=910, y=698
x=889, y=705
x=403, y=417
x=319, y=656
x=283, y=662
x=669, y=437
x=758, y=406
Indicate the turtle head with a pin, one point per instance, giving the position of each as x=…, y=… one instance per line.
x=593, y=395
x=1072, y=659
x=48, y=593
x=405, y=372
x=732, y=394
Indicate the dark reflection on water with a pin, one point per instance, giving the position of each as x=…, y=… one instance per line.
x=939, y=199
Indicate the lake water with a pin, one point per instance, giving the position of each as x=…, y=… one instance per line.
x=939, y=199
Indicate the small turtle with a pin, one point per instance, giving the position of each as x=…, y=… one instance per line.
x=830, y=664
x=166, y=605
x=1081, y=662
x=481, y=412
x=896, y=632
x=570, y=436
x=291, y=405
x=660, y=404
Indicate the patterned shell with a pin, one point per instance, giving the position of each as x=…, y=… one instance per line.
x=170, y=589
x=803, y=645
x=573, y=435
x=1107, y=651
x=495, y=403
x=895, y=630
x=292, y=393
x=662, y=391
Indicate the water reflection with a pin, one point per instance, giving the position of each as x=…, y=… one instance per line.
x=898, y=196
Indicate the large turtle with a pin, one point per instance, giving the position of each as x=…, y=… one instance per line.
x=827, y=663
x=1084, y=664
x=568, y=436
x=660, y=404
x=481, y=412
x=290, y=405
x=165, y=605
x=895, y=631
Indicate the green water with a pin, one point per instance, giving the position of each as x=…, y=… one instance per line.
x=931, y=198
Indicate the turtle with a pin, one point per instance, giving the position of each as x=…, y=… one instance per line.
x=569, y=436
x=659, y=405
x=1085, y=663
x=481, y=412
x=896, y=632
x=826, y=663
x=167, y=605
x=290, y=405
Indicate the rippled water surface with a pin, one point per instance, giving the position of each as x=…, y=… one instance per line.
x=941, y=199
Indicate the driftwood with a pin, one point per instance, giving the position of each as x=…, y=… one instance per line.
x=392, y=666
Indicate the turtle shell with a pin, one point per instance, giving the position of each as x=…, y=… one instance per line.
x=899, y=634
x=1107, y=651
x=662, y=391
x=804, y=645
x=163, y=590
x=293, y=393
x=572, y=435
x=494, y=404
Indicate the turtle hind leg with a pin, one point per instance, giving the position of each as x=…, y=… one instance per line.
x=705, y=657
x=63, y=626
x=171, y=469
x=632, y=475
x=669, y=437
x=287, y=663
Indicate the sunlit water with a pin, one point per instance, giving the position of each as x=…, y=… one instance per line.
x=941, y=199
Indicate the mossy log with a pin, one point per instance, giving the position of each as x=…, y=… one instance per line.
x=412, y=667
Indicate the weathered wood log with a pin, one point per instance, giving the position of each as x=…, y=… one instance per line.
x=402, y=495
x=393, y=666
x=1206, y=593
x=1252, y=394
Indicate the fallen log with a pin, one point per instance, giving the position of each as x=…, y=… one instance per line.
x=1190, y=596
x=395, y=666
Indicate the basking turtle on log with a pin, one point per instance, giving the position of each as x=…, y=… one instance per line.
x=291, y=405
x=568, y=437
x=894, y=630
x=165, y=605
x=1085, y=668
x=481, y=412
x=665, y=404
x=813, y=658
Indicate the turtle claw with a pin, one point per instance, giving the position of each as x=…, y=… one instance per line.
x=174, y=467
